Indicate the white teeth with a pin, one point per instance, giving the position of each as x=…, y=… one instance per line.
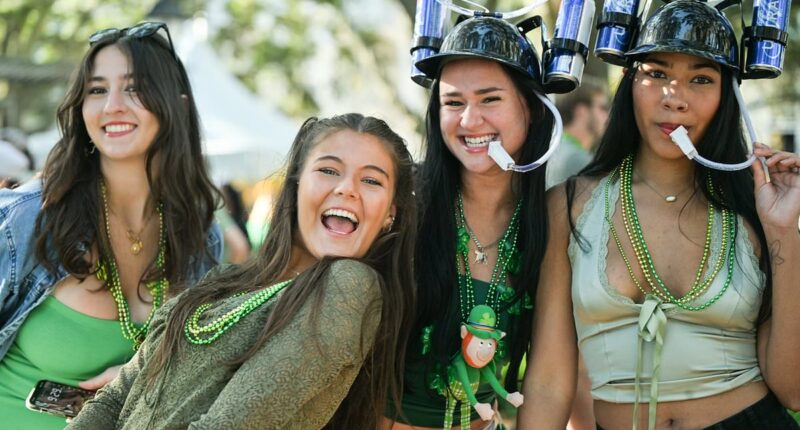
x=341, y=213
x=119, y=128
x=478, y=142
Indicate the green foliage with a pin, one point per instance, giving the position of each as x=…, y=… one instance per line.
x=47, y=32
x=265, y=40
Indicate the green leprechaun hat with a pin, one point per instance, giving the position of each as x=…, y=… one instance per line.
x=482, y=321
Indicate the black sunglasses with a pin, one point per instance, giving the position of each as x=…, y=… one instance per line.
x=138, y=31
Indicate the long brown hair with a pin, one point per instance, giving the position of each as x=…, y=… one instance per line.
x=390, y=255
x=70, y=223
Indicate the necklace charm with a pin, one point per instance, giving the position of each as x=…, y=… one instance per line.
x=670, y=199
x=136, y=243
x=480, y=257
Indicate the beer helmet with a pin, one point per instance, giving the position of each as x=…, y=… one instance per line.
x=689, y=27
x=488, y=38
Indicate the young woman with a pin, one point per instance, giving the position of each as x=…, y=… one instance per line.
x=120, y=219
x=307, y=335
x=484, y=228
x=682, y=282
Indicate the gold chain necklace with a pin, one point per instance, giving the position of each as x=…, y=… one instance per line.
x=106, y=271
x=135, y=238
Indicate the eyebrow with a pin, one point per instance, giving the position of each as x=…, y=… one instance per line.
x=479, y=92
x=96, y=78
x=695, y=66
x=339, y=160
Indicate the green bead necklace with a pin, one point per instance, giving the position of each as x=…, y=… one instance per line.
x=635, y=234
x=205, y=334
x=507, y=261
x=106, y=271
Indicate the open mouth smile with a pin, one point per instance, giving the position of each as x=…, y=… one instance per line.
x=340, y=221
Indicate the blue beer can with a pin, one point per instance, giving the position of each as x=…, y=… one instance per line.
x=563, y=64
x=429, y=27
x=614, y=37
x=764, y=55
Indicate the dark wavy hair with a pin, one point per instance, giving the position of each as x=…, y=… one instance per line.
x=389, y=255
x=723, y=141
x=435, y=262
x=70, y=222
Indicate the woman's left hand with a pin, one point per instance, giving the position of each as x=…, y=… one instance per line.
x=778, y=201
x=101, y=380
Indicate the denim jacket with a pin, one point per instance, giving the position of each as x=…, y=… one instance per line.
x=24, y=282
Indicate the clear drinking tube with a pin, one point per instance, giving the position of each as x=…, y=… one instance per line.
x=505, y=15
x=681, y=138
x=501, y=157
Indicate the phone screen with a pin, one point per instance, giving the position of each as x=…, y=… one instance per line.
x=57, y=399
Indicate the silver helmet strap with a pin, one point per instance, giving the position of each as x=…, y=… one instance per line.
x=505, y=15
x=504, y=160
x=681, y=138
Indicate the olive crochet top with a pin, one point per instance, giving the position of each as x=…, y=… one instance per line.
x=296, y=381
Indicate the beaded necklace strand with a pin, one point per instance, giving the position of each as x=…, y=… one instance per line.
x=634, y=230
x=106, y=271
x=205, y=334
x=507, y=261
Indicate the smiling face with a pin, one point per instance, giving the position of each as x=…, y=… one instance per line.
x=345, y=194
x=117, y=122
x=479, y=103
x=670, y=90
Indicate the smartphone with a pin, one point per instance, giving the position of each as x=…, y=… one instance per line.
x=57, y=399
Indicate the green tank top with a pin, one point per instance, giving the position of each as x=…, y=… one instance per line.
x=63, y=345
x=423, y=406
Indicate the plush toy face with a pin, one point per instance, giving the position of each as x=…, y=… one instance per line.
x=478, y=352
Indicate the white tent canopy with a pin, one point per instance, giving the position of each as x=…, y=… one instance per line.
x=243, y=138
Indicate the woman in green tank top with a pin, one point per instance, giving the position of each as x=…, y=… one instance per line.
x=120, y=219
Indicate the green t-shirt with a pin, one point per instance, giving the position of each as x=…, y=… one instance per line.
x=60, y=344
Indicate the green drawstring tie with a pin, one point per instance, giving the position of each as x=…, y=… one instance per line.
x=652, y=326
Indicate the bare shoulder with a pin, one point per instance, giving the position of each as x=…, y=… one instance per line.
x=557, y=199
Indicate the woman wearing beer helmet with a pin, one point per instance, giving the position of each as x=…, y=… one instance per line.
x=681, y=276
x=483, y=229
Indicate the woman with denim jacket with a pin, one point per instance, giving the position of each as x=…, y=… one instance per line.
x=120, y=219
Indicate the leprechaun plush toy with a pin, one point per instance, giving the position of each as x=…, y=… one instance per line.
x=475, y=363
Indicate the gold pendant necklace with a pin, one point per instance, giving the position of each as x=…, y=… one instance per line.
x=136, y=242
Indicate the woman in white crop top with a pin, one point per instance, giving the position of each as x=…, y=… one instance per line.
x=676, y=282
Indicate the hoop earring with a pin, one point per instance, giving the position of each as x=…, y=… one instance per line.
x=92, y=150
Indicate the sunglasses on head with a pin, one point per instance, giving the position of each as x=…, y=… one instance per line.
x=138, y=31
